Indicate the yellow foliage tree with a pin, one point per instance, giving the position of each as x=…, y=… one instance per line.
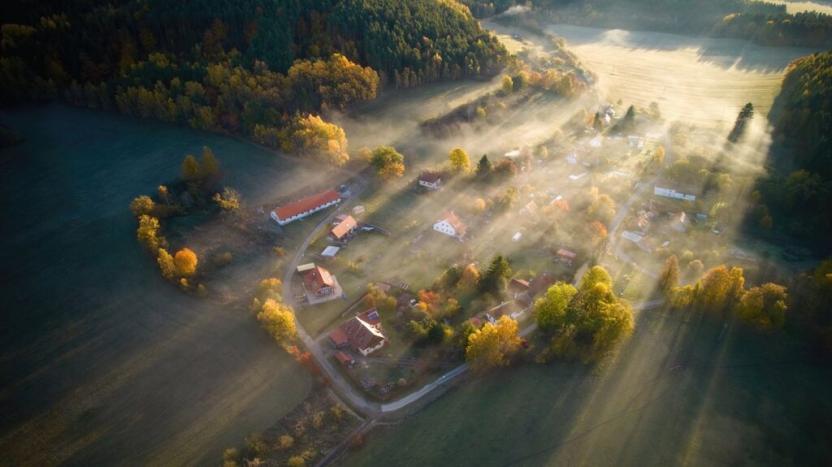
x=142, y=205
x=493, y=345
x=387, y=162
x=460, y=162
x=148, y=232
x=764, y=307
x=278, y=319
x=186, y=262
x=166, y=264
x=317, y=137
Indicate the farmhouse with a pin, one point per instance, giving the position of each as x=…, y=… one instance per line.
x=304, y=207
x=450, y=225
x=358, y=334
x=319, y=284
x=344, y=228
x=430, y=180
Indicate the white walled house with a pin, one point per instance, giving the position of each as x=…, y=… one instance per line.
x=430, y=180
x=450, y=225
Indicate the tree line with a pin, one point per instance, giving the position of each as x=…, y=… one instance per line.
x=254, y=67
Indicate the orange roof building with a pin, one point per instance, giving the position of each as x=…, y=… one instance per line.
x=343, y=228
x=305, y=206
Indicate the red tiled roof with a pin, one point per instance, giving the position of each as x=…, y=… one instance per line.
x=343, y=357
x=344, y=227
x=361, y=334
x=317, y=278
x=566, y=253
x=339, y=337
x=451, y=218
x=430, y=176
x=305, y=204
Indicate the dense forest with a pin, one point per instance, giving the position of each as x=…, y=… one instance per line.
x=255, y=67
x=798, y=191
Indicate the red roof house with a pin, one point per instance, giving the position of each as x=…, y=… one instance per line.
x=318, y=281
x=305, y=206
x=362, y=336
x=430, y=179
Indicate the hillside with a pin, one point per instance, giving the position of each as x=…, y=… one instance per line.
x=798, y=190
x=252, y=67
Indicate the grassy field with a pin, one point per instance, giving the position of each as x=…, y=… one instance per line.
x=681, y=391
x=698, y=80
x=102, y=361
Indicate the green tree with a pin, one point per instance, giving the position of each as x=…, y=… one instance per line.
x=493, y=345
x=484, y=167
x=494, y=279
x=460, y=162
x=550, y=310
x=741, y=124
x=387, y=162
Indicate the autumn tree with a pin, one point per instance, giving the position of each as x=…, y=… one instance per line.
x=593, y=321
x=459, y=160
x=228, y=200
x=507, y=85
x=470, y=278
x=278, y=319
x=387, y=162
x=493, y=345
x=190, y=168
x=314, y=136
x=142, y=205
x=669, y=277
x=148, y=233
x=186, y=262
x=166, y=264
x=334, y=83
x=719, y=288
x=550, y=310
x=764, y=307
x=209, y=168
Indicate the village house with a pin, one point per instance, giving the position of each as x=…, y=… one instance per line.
x=320, y=285
x=450, y=225
x=362, y=333
x=344, y=359
x=518, y=287
x=344, y=227
x=304, y=207
x=672, y=194
x=566, y=256
x=430, y=179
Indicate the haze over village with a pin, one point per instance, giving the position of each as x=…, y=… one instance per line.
x=416, y=232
